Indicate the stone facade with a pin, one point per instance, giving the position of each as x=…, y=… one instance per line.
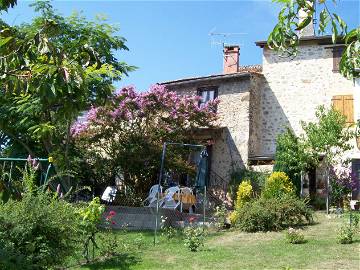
x=231, y=147
x=257, y=105
x=294, y=88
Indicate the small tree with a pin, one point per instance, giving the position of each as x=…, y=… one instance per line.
x=329, y=136
x=127, y=134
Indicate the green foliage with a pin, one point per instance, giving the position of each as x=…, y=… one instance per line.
x=285, y=39
x=244, y=194
x=5, y=4
x=346, y=234
x=329, y=135
x=257, y=180
x=292, y=156
x=294, y=236
x=169, y=232
x=273, y=214
x=278, y=184
x=51, y=70
x=91, y=218
x=221, y=215
x=194, y=238
x=38, y=230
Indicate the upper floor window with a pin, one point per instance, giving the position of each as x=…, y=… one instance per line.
x=207, y=94
x=345, y=105
x=337, y=53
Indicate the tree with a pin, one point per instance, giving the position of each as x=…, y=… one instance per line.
x=51, y=70
x=328, y=136
x=285, y=39
x=126, y=135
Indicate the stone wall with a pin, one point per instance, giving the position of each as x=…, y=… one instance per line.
x=293, y=89
x=230, y=150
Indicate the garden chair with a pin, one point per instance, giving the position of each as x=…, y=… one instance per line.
x=169, y=199
x=151, y=199
x=109, y=194
x=185, y=204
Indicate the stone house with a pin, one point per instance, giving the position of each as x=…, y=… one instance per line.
x=258, y=102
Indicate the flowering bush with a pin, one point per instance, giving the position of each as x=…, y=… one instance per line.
x=127, y=134
x=244, y=194
x=294, y=236
x=346, y=234
x=278, y=184
x=342, y=182
x=194, y=238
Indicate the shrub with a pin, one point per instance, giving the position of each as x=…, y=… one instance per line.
x=243, y=194
x=277, y=185
x=294, y=236
x=39, y=230
x=221, y=215
x=273, y=214
x=346, y=234
x=257, y=180
x=194, y=238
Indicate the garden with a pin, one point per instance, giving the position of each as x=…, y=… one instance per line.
x=66, y=134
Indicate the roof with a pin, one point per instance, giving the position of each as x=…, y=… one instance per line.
x=244, y=72
x=321, y=40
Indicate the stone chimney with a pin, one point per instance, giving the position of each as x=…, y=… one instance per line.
x=308, y=31
x=231, y=59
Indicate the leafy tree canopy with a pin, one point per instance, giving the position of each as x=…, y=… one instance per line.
x=51, y=70
x=285, y=35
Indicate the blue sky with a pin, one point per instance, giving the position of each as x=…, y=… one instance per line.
x=170, y=39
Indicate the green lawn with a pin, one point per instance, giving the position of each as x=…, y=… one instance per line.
x=237, y=250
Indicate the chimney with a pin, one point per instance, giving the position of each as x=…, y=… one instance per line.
x=308, y=31
x=231, y=59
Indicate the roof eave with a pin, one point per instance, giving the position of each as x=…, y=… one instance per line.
x=321, y=40
x=208, y=78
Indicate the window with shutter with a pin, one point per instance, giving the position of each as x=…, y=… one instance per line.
x=345, y=105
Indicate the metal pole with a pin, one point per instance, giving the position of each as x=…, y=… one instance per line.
x=327, y=189
x=204, y=207
x=158, y=193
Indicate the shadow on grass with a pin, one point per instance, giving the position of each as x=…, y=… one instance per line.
x=121, y=262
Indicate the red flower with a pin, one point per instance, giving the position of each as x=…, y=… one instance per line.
x=112, y=213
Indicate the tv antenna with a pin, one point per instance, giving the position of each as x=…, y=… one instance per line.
x=222, y=38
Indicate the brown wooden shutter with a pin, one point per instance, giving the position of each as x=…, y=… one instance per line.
x=345, y=105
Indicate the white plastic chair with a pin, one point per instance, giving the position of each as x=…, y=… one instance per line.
x=168, y=201
x=109, y=194
x=151, y=199
x=186, y=191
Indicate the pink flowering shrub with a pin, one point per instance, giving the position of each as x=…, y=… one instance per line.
x=126, y=134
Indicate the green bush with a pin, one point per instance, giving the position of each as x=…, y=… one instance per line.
x=294, y=236
x=271, y=214
x=194, y=238
x=257, y=180
x=39, y=230
x=346, y=234
x=277, y=184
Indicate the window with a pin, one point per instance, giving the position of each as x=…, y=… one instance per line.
x=337, y=53
x=345, y=105
x=207, y=94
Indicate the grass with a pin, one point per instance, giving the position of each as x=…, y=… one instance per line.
x=238, y=250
